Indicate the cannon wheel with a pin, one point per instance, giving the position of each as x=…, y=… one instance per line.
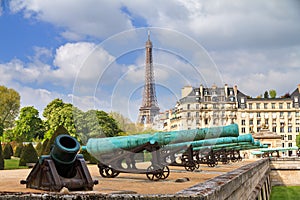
x=165, y=172
x=211, y=163
x=153, y=173
x=191, y=166
x=108, y=172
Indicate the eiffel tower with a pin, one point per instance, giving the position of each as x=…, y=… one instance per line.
x=149, y=108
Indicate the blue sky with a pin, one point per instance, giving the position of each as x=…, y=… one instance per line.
x=91, y=53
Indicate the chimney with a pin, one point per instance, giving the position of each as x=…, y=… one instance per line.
x=201, y=91
x=235, y=90
x=299, y=88
x=226, y=90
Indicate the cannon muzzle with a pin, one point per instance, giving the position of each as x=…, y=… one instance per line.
x=64, y=153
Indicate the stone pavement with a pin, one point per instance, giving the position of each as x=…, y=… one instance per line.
x=127, y=183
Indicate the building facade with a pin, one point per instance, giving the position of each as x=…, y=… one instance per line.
x=202, y=107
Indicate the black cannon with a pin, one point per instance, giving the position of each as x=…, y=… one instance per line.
x=62, y=168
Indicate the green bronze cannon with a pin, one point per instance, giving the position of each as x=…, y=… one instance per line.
x=98, y=146
x=62, y=168
x=119, y=154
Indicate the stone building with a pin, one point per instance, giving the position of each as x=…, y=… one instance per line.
x=201, y=107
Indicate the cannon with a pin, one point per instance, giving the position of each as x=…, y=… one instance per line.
x=62, y=168
x=98, y=146
x=120, y=154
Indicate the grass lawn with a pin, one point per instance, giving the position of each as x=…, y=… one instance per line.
x=285, y=192
x=13, y=163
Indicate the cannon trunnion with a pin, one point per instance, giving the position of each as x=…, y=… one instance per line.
x=62, y=168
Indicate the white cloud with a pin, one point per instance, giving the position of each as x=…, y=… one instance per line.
x=255, y=44
x=94, y=18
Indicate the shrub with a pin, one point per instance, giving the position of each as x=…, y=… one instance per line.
x=39, y=148
x=59, y=131
x=19, y=150
x=88, y=157
x=44, y=146
x=7, y=152
x=29, y=155
x=1, y=158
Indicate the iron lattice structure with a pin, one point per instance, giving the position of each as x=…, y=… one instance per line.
x=149, y=108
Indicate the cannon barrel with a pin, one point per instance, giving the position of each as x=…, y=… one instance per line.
x=64, y=153
x=215, y=141
x=98, y=146
x=64, y=150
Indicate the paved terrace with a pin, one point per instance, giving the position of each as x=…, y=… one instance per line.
x=127, y=183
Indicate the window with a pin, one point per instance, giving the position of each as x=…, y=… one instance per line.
x=197, y=114
x=281, y=114
x=289, y=129
x=243, y=130
x=297, y=129
x=290, y=137
x=251, y=122
x=282, y=137
x=188, y=106
x=250, y=105
x=280, y=105
x=205, y=121
x=258, y=122
x=258, y=115
x=290, y=144
x=273, y=105
x=281, y=129
x=283, y=145
x=274, y=129
x=243, y=122
x=289, y=114
x=197, y=106
x=205, y=106
x=266, y=122
x=297, y=114
x=265, y=106
x=188, y=114
x=288, y=105
x=297, y=121
x=258, y=106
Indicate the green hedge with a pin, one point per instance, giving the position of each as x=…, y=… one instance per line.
x=29, y=155
x=8, y=151
x=19, y=150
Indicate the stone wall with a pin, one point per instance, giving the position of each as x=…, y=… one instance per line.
x=251, y=181
x=285, y=171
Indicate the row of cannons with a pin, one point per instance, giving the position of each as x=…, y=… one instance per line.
x=115, y=155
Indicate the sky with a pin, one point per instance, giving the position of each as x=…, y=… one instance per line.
x=92, y=53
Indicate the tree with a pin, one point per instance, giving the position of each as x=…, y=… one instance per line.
x=266, y=95
x=58, y=113
x=272, y=94
x=99, y=124
x=29, y=126
x=9, y=107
